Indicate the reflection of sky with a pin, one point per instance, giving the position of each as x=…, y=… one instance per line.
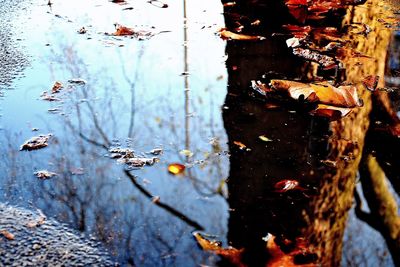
x=154, y=67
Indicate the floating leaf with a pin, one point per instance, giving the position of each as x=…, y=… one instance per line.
x=44, y=174
x=264, y=138
x=7, y=234
x=122, y=30
x=186, y=153
x=241, y=146
x=287, y=185
x=225, y=34
x=331, y=112
x=176, y=168
x=229, y=4
x=371, y=82
x=36, y=142
x=56, y=87
x=325, y=61
x=325, y=93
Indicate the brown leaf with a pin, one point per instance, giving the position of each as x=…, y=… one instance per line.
x=56, y=87
x=7, y=234
x=122, y=30
x=225, y=34
x=371, y=82
x=331, y=112
x=36, y=142
x=325, y=93
x=241, y=146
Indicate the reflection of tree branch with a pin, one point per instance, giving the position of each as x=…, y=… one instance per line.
x=382, y=204
x=164, y=206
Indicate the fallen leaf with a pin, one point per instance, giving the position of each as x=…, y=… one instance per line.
x=186, y=153
x=82, y=30
x=156, y=151
x=331, y=112
x=36, y=142
x=176, y=168
x=325, y=61
x=229, y=4
x=287, y=185
x=324, y=92
x=56, y=87
x=264, y=138
x=155, y=199
x=241, y=146
x=371, y=82
x=44, y=174
x=48, y=97
x=225, y=34
x=158, y=3
x=260, y=87
x=7, y=234
x=293, y=42
x=122, y=30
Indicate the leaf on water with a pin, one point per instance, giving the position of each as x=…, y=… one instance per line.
x=156, y=151
x=36, y=142
x=56, y=87
x=186, y=153
x=371, y=82
x=241, y=146
x=324, y=92
x=7, y=234
x=228, y=35
x=77, y=81
x=264, y=138
x=293, y=42
x=229, y=4
x=48, y=97
x=35, y=223
x=325, y=61
x=158, y=3
x=123, y=31
x=260, y=87
x=82, y=30
x=331, y=112
x=287, y=185
x=299, y=32
x=176, y=168
x=44, y=174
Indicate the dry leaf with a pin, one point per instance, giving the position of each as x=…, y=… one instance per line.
x=122, y=30
x=186, y=153
x=176, y=168
x=264, y=138
x=56, y=87
x=36, y=142
x=241, y=146
x=44, y=174
x=325, y=93
x=325, y=61
x=225, y=34
x=7, y=234
x=371, y=82
x=331, y=112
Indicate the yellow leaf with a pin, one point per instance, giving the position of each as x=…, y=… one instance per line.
x=176, y=168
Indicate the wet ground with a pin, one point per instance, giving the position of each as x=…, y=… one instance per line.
x=176, y=93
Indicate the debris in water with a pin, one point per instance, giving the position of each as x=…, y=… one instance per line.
x=176, y=168
x=325, y=61
x=264, y=138
x=77, y=171
x=35, y=223
x=44, y=174
x=186, y=153
x=225, y=34
x=7, y=234
x=241, y=146
x=158, y=3
x=287, y=185
x=36, y=142
x=82, y=30
x=371, y=82
x=56, y=87
x=48, y=97
x=156, y=151
x=77, y=81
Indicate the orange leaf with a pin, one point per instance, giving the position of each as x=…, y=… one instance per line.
x=331, y=112
x=325, y=93
x=176, y=168
x=123, y=31
x=371, y=82
x=225, y=34
x=7, y=234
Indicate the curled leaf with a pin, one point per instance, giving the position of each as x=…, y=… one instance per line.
x=331, y=112
x=325, y=61
x=56, y=87
x=122, y=30
x=44, y=174
x=176, y=168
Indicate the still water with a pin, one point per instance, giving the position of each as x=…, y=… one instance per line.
x=178, y=87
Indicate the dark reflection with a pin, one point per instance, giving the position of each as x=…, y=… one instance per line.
x=308, y=225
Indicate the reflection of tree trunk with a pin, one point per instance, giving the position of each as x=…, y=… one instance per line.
x=256, y=209
x=383, y=207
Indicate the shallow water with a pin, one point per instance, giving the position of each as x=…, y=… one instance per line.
x=167, y=91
